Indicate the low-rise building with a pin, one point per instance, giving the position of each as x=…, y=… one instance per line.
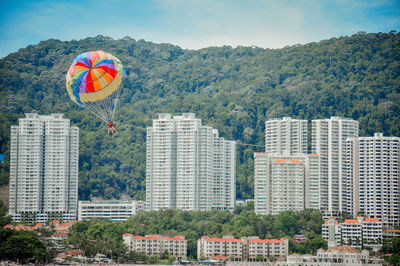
x=157, y=245
x=390, y=233
x=343, y=254
x=340, y=256
x=116, y=211
x=227, y=246
x=358, y=233
x=267, y=248
x=245, y=249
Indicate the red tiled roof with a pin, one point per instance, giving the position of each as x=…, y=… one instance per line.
x=128, y=235
x=343, y=249
x=259, y=153
x=374, y=220
x=295, y=161
x=60, y=234
x=351, y=221
x=38, y=225
x=67, y=223
x=177, y=238
x=257, y=240
x=74, y=252
x=8, y=226
x=214, y=239
x=54, y=222
x=147, y=237
x=391, y=230
x=314, y=154
x=279, y=161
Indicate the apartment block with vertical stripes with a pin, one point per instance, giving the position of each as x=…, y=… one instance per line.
x=373, y=179
x=188, y=165
x=44, y=169
x=285, y=182
x=285, y=176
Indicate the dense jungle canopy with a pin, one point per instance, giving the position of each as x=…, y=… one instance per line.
x=231, y=89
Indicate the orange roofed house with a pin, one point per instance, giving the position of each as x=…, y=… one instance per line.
x=156, y=245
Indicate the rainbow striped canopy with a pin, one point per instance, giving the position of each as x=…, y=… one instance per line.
x=93, y=76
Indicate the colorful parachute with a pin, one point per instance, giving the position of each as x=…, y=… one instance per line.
x=93, y=82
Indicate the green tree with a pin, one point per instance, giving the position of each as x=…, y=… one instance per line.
x=22, y=246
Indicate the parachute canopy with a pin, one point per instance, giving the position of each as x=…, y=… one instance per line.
x=93, y=82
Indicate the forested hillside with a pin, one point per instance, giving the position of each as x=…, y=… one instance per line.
x=232, y=89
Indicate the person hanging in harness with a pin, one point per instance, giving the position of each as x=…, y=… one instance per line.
x=110, y=128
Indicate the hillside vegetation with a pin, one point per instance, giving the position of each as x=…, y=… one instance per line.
x=232, y=89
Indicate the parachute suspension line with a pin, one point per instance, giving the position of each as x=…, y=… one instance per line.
x=107, y=110
x=114, y=105
x=93, y=110
x=115, y=101
x=96, y=109
x=101, y=110
x=109, y=104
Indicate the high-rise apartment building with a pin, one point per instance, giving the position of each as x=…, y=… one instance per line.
x=373, y=178
x=44, y=168
x=188, y=166
x=329, y=142
x=285, y=177
x=285, y=182
x=286, y=136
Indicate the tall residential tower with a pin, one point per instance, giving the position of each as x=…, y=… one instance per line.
x=283, y=183
x=286, y=136
x=285, y=177
x=44, y=169
x=329, y=142
x=188, y=166
x=373, y=178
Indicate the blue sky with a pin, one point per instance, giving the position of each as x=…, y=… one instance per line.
x=194, y=24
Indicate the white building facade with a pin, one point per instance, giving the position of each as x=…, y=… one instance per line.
x=267, y=248
x=283, y=183
x=208, y=247
x=358, y=233
x=373, y=178
x=157, y=245
x=188, y=166
x=244, y=249
x=113, y=210
x=44, y=169
x=329, y=142
x=286, y=136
